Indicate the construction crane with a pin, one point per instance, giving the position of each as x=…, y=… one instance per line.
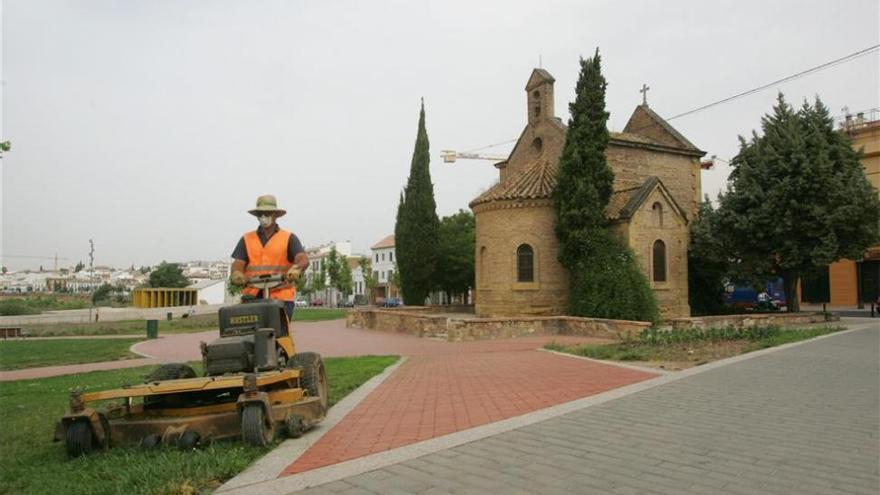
x=450, y=156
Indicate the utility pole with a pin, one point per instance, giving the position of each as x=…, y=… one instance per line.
x=91, y=276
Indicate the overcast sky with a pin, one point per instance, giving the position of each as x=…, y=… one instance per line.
x=152, y=126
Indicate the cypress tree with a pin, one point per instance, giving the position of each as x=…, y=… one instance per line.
x=797, y=199
x=416, y=230
x=604, y=277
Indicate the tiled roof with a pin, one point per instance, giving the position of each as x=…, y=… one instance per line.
x=536, y=181
x=619, y=200
x=625, y=202
x=386, y=242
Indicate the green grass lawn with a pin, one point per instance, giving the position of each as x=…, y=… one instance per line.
x=18, y=354
x=198, y=323
x=31, y=463
x=37, y=303
x=693, y=347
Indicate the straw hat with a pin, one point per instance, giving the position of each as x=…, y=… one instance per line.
x=267, y=204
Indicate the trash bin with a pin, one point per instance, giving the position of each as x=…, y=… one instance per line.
x=168, y=315
x=152, y=329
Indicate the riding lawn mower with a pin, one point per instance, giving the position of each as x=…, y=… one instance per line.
x=255, y=385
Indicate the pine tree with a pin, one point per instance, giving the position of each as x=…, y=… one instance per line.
x=416, y=230
x=605, y=279
x=707, y=264
x=797, y=199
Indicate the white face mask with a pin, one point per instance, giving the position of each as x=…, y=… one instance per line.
x=266, y=220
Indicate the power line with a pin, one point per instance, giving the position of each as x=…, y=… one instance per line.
x=818, y=68
x=489, y=146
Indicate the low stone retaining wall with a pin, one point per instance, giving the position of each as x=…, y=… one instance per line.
x=751, y=320
x=434, y=325
x=438, y=309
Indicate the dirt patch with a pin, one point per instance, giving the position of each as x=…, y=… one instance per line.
x=683, y=356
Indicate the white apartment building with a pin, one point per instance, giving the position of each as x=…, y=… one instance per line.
x=316, y=258
x=384, y=266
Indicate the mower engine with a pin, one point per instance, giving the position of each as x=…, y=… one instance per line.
x=247, y=338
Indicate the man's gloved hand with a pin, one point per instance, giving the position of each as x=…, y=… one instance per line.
x=238, y=279
x=293, y=274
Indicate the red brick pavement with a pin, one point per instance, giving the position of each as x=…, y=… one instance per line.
x=332, y=338
x=434, y=395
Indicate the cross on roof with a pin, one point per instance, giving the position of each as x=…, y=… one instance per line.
x=644, y=92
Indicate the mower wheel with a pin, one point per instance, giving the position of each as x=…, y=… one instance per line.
x=150, y=442
x=79, y=438
x=313, y=378
x=295, y=426
x=189, y=440
x=253, y=426
x=170, y=371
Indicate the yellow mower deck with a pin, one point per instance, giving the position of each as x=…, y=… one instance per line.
x=282, y=404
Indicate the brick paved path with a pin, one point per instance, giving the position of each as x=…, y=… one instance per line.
x=434, y=395
x=332, y=338
x=800, y=420
x=70, y=369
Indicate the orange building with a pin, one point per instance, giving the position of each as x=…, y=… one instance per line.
x=847, y=277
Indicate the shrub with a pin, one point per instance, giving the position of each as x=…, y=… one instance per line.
x=16, y=307
x=656, y=337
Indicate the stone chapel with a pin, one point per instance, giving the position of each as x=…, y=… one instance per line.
x=656, y=193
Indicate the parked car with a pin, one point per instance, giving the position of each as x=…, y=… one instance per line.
x=392, y=302
x=345, y=304
x=301, y=303
x=317, y=302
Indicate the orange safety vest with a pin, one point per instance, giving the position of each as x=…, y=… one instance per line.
x=270, y=259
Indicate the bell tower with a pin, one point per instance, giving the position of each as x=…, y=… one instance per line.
x=539, y=96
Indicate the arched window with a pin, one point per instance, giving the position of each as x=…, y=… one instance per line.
x=659, y=261
x=658, y=214
x=525, y=263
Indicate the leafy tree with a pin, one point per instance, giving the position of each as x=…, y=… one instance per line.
x=333, y=267
x=79, y=267
x=167, y=275
x=345, y=283
x=4, y=270
x=707, y=264
x=102, y=293
x=455, y=267
x=797, y=199
x=303, y=286
x=319, y=281
x=369, y=279
x=4, y=147
x=605, y=279
x=416, y=229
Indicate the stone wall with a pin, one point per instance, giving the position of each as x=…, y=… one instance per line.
x=751, y=320
x=679, y=173
x=463, y=329
x=501, y=227
x=643, y=229
x=439, y=308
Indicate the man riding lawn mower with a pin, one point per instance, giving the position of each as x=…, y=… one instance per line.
x=255, y=384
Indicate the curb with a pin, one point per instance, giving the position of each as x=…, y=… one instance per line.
x=646, y=369
x=270, y=466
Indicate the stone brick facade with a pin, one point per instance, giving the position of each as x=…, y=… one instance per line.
x=654, y=167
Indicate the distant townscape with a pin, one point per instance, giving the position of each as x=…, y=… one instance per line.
x=378, y=285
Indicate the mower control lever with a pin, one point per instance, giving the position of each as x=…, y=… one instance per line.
x=265, y=282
